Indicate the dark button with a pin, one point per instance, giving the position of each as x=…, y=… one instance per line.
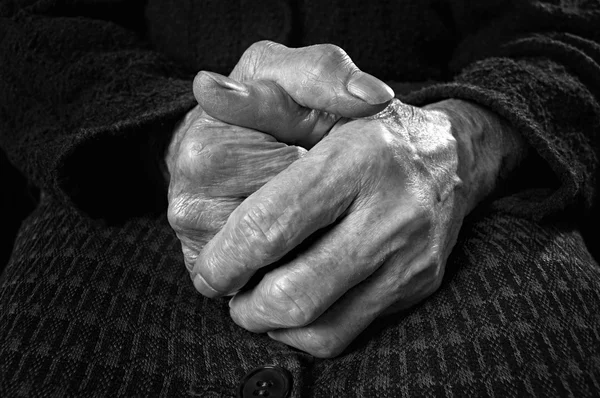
x=267, y=381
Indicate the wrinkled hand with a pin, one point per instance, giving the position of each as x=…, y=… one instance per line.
x=214, y=165
x=296, y=95
x=383, y=199
x=363, y=223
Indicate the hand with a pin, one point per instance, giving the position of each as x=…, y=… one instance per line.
x=213, y=165
x=296, y=95
x=382, y=200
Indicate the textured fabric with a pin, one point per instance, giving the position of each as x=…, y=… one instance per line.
x=89, y=80
x=91, y=310
x=90, y=92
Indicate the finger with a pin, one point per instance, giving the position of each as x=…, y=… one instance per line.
x=321, y=77
x=229, y=161
x=217, y=168
x=297, y=293
x=310, y=194
x=216, y=171
x=262, y=105
x=196, y=219
x=391, y=286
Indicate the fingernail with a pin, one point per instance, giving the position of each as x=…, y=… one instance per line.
x=369, y=89
x=203, y=287
x=274, y=336
x=226, y=82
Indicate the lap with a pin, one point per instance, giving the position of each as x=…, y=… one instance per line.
x=89, y=309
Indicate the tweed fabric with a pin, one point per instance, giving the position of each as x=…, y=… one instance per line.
x=94, y=310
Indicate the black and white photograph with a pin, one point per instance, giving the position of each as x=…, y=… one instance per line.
x=299, y=198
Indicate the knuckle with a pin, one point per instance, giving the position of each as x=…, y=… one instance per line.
x=202, y=159
x=330, y=53
x=186, y=213
x=252, y=59
x=258, y=48
x=370, y=159
x=177, y=212
x=422, y=279
x=329, y=59
x=199, y=217
x=421, y=218
x=192, y=157
x=264, y=236
x=291, y=304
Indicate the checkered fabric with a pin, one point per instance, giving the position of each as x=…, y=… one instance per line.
x=107, y=309
x=94, y=310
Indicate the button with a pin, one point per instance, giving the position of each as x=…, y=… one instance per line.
x=266, y=381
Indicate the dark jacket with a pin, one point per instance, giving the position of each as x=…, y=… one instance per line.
x=89, y=93
x=87, y=86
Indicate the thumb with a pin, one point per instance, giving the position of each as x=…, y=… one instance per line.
x=261, y=105
x=296, y=95
x=320, y=77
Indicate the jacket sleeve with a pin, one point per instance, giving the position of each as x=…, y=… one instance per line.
x=86, y=104
x=537, y=64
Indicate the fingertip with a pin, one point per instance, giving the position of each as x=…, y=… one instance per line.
x=243, y=314
x=205, y=83
x=204, y=288
x=199, y=84
x=284, y=336
x=369, y=89
x=278, y=335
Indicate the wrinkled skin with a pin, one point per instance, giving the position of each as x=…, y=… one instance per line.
x=387, y=190
x=213, y=167
x=359, y=225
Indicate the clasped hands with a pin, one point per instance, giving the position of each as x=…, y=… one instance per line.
x=301, y=188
